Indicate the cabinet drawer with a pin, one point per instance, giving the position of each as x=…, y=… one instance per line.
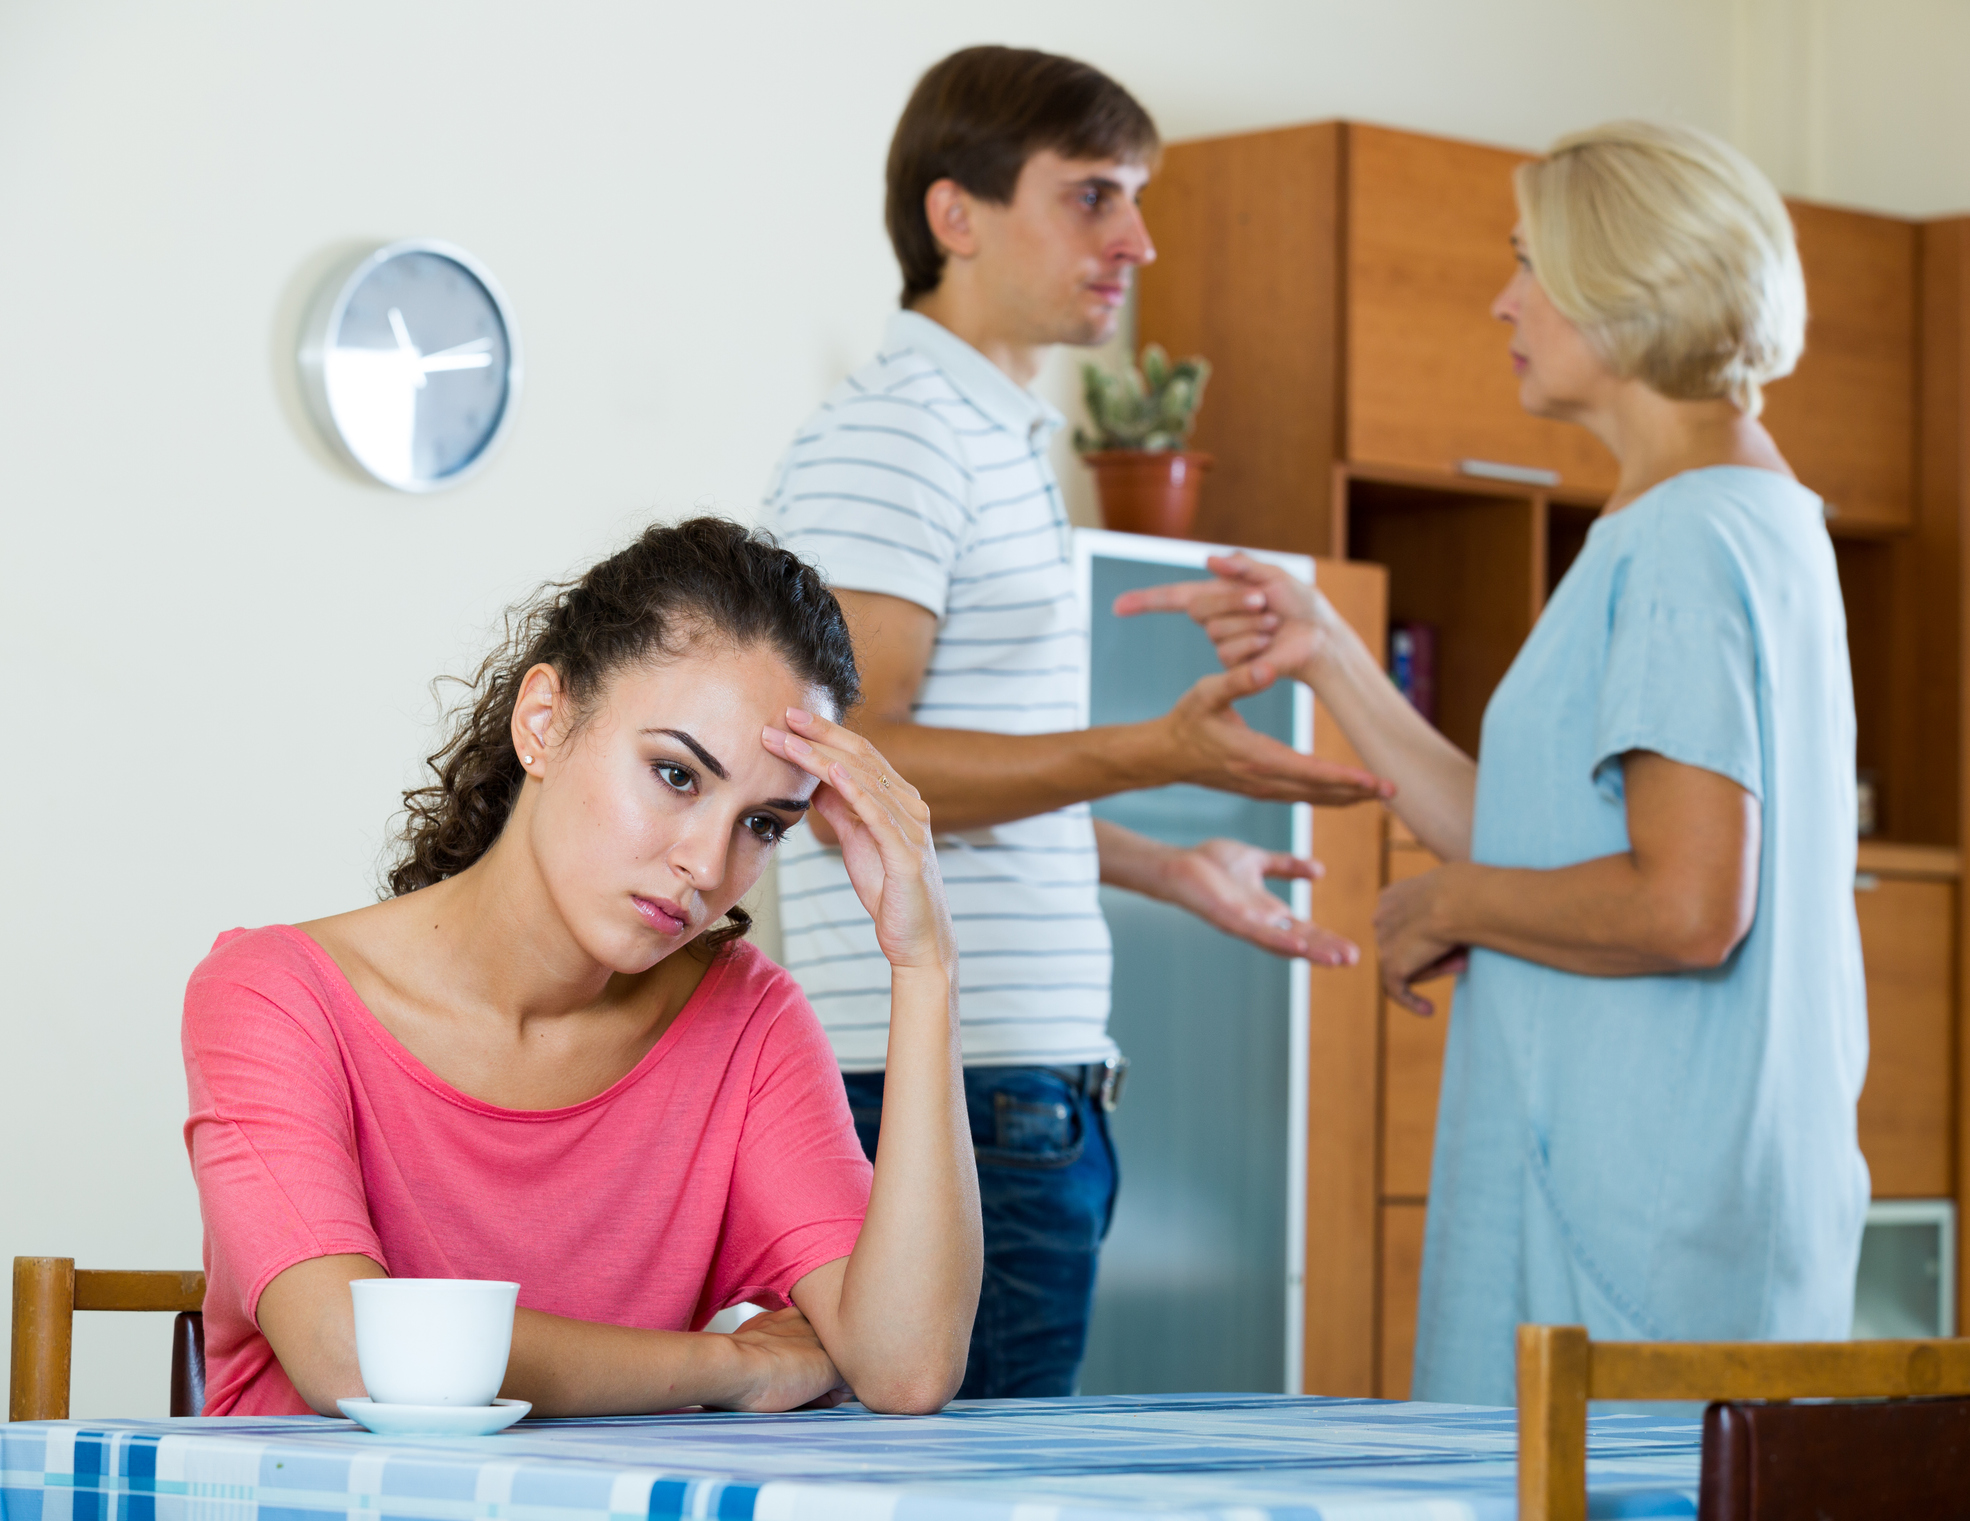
x=1402, y=1277
x=1412, y=1052
x=1907, y=935
x=1429, y=375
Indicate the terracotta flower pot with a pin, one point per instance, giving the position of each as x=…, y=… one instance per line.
x=1149, y=490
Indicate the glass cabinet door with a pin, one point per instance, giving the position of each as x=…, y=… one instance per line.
x=1193, y=1287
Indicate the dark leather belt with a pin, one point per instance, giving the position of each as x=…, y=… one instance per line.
x=1101, y=1081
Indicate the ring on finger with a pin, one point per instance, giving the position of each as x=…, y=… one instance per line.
x=882, y=779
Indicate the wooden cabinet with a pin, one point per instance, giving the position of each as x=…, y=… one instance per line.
x=1248, y=257
x=1340, y=278
x=1907, y=1109
x=1412, y=1064
x=1465, y=561
x=1429, y=376
x=1340, y=1283
x=1846, y=417
x=1402, y=1277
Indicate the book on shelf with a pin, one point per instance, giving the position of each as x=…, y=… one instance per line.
x=1412, y=665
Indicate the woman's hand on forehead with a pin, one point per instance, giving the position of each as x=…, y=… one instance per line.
x=883, y=828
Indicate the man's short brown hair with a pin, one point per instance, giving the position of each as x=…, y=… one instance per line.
x=978, y=116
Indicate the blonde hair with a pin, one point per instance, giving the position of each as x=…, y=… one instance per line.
x=1672, y=254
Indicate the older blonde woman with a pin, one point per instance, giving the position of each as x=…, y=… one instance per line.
x=1647, y=1118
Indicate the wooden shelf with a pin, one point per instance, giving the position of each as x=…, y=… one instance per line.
x=1469, y=485
x=1933, y=863
x=1882, y=858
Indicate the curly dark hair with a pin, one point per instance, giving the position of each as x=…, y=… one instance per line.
x=677, y=582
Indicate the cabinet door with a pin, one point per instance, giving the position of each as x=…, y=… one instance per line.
x=1907, y=933
x=1412, y=1049
x=1247, y=237
x=1402, y=1277
x=1846, y=417
x=1429, y=377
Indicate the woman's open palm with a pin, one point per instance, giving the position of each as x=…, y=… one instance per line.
x=883, y=828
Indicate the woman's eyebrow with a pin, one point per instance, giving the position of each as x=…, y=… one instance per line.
x=711, y=762
x=790, y=804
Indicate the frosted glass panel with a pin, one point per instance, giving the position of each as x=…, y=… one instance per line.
x=1903, y=1286
x=1193, y=1279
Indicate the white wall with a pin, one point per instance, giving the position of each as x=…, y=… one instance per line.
x=217, y=645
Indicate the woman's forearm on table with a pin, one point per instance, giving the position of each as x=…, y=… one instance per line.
x=1601, y=918
x=1436, y=783
x=902, y=1323
x=563, y=1366
x=578, y=1367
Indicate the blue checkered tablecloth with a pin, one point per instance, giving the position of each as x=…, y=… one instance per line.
x=1225, y=1457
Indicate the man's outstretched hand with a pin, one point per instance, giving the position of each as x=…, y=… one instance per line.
x=1223, y=882
x=1212, y=746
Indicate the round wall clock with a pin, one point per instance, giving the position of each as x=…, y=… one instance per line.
x=411, y=364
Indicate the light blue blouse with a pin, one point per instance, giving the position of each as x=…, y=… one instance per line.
x=1668, y=1157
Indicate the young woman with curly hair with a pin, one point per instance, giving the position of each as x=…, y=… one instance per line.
x=550, y=1057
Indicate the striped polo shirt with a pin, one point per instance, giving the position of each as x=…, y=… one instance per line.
x=925, y=476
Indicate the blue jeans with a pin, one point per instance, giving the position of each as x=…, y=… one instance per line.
x=1046, y=1184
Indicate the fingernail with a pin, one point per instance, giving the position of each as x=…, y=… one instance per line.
x=1255, y=599
x=797, y=746
x=800, y=715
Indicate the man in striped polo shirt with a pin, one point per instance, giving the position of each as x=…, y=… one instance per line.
x=922, y=489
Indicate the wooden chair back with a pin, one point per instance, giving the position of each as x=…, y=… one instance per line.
x=1559, y=1370
x=47, y=1293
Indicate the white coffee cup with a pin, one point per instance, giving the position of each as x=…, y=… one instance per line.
x=433, y=1341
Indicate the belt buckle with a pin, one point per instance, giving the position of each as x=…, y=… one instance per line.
x=1114, y=1076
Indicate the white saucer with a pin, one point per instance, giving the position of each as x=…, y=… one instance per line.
x=433, y=1420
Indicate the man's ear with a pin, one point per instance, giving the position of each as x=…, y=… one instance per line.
x=537, y=717
x=947, y=208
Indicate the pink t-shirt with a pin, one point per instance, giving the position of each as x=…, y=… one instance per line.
x=723, y=1168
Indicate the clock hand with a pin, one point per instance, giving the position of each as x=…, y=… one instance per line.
x=406, y=348
x=432, y=363
x=473, y=355
x=476, y=346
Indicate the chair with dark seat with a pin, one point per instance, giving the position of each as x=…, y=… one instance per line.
x=1764, y=1458
x=47, y=1293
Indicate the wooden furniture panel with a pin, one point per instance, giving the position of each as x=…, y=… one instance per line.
x=1943, y=494
x=1247, y=234
x=1846, y=417
x=1343, y=1049
x=1867, y=591
x=1918, y=863
x=1469, y=564
x=1428, y=373
x=1402, y=1277
x=1906, y=1109
x=1412, y=1065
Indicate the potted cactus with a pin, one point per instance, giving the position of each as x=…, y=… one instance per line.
x=1142, y=418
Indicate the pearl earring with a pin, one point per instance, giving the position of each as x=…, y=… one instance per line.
x=526, y=760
